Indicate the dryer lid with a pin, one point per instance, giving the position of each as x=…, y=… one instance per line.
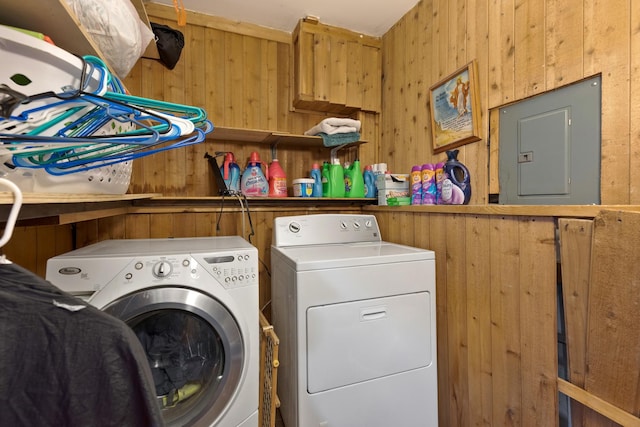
x=320, y=257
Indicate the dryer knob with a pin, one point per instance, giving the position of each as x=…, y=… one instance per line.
x=162, y=269
x=294, y=227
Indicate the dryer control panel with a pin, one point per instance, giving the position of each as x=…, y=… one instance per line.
x=325, y=229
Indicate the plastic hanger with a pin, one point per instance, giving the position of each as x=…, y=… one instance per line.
x=95, y=125
x=13, y=215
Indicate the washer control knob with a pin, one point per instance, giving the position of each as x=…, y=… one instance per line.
x=368, y=223
x=343, y=225
x=356, y=225
x=162, y=269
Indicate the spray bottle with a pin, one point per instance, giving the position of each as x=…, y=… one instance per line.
x=253, y=181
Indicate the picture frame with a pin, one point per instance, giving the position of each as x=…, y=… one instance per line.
x=455, y=109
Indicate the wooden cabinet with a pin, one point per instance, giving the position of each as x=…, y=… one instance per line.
x=335, y=70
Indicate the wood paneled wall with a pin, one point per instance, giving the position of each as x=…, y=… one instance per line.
x=241, y=75
x=496, y=314
x=496, y=275
x=523, y=48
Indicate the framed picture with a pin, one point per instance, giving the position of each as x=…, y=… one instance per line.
x=455, y=109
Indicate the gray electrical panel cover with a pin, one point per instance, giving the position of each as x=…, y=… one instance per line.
x=550, y=147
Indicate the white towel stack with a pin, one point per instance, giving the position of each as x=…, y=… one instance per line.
x=334, y=125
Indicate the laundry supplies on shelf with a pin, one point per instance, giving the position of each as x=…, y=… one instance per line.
x=316, y=175
x=254, y=182
x=231, y=172
x=369, y=182
x=277, y=180
x=456, y=183
x=353, y=180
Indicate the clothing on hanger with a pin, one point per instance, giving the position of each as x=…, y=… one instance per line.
x=63, y=362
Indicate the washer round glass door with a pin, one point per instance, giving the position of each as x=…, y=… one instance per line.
x=194, y=348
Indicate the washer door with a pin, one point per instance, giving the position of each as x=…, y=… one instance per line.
x=194, y=347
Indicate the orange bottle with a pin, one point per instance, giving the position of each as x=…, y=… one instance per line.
x=277, y=180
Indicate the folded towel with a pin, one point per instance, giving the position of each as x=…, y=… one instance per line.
x=337, y=139
x=333, y=125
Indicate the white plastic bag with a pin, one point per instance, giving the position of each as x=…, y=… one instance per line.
x=116, y=28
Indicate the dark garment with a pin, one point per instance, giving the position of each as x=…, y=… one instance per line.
x=60, y=367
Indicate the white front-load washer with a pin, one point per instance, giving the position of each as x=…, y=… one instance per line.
x=356, y=318
x=193, y=303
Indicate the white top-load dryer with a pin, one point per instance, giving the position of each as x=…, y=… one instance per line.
x=356, y=318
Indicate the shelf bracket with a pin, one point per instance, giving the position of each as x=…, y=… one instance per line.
x=334, y=151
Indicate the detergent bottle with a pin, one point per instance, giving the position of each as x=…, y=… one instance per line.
x=231, y=172
x=356, y=181
x=336, y=179
x=369, y=182
x=428, y=175
x=416, y=185
x=316, y=175
x=253, y=181
x=277, y=180
x=326, y=166
x=456, y=183
x=347, y=171
x=439, y=179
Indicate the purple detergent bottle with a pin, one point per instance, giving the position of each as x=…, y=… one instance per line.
x=428, y=173
x=456, y=183
x=416, y=185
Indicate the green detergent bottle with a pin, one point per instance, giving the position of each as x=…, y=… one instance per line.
x=325, y=179
x=354, y=181
x=336, y=179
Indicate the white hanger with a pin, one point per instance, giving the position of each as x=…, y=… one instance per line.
x=13, y=215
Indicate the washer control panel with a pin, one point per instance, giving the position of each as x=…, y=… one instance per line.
x=234, y=270
x=233, y=264
x=325, y=229
x=231, y=270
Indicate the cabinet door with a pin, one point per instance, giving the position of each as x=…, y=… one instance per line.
x=336, y=70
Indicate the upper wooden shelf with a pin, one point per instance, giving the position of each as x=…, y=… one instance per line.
x=270, y=137
x=55, y=19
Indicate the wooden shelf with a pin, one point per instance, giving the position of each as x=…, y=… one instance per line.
x=52, y=208
x=55, y=19
x=262, y=202
x=272, y=138
x=565, y=211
